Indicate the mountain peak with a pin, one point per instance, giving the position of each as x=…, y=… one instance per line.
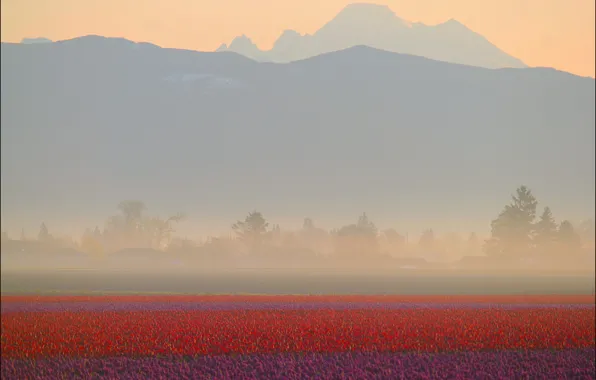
x=368, y=7
x=360, y=17
x=244, y=46
x=242, y=42
x=243, y=38
x=367, y=12
x=454, y=24
x=287, y=39
x=289, y=33
x=379, y=27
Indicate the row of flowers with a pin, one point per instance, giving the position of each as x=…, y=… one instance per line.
x=538, y=364
x=90, y=306
x=196, y=332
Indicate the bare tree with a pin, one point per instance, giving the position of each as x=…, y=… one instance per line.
x=132, y=211
x=159, y=230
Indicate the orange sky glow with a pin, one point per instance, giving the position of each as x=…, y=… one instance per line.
x=553, y=33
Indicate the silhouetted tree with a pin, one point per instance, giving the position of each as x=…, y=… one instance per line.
x=363, y=228
x=308, y=224
x=132, y=211
x=511, y=232
x=97, y=233
x=394, y=238
x=132, y=229
x=569, y=240
x=252, y=230
x=358, y=239
x=43, y=234
x=427, y=240
x=311, y=238
x=366, y=226
x=158, y=231
x=545, y=232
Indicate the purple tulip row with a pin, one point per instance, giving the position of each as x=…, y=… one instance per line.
x=13, y=307
x=576, y=364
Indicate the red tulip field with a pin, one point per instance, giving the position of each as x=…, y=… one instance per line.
x=292, y=337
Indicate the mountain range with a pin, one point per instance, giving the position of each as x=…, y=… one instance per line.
x=378, y=26
x=92, y=121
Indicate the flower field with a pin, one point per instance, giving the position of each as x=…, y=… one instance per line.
x=230, y=337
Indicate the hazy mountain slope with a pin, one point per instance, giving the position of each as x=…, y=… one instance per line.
x=39, y=40
x=377, y=26
x=91, y=121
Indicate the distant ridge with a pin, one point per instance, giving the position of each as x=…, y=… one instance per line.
x=39, y=40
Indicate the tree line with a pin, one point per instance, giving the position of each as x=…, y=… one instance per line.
x=515, y=232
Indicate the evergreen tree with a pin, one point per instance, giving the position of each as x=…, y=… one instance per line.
x=357, y=239
x=545, y=232
x=365, y=226
x=44, y=234
x=252, y=230
x=512, y=230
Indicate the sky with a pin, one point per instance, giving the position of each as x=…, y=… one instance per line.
x=551, y=33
